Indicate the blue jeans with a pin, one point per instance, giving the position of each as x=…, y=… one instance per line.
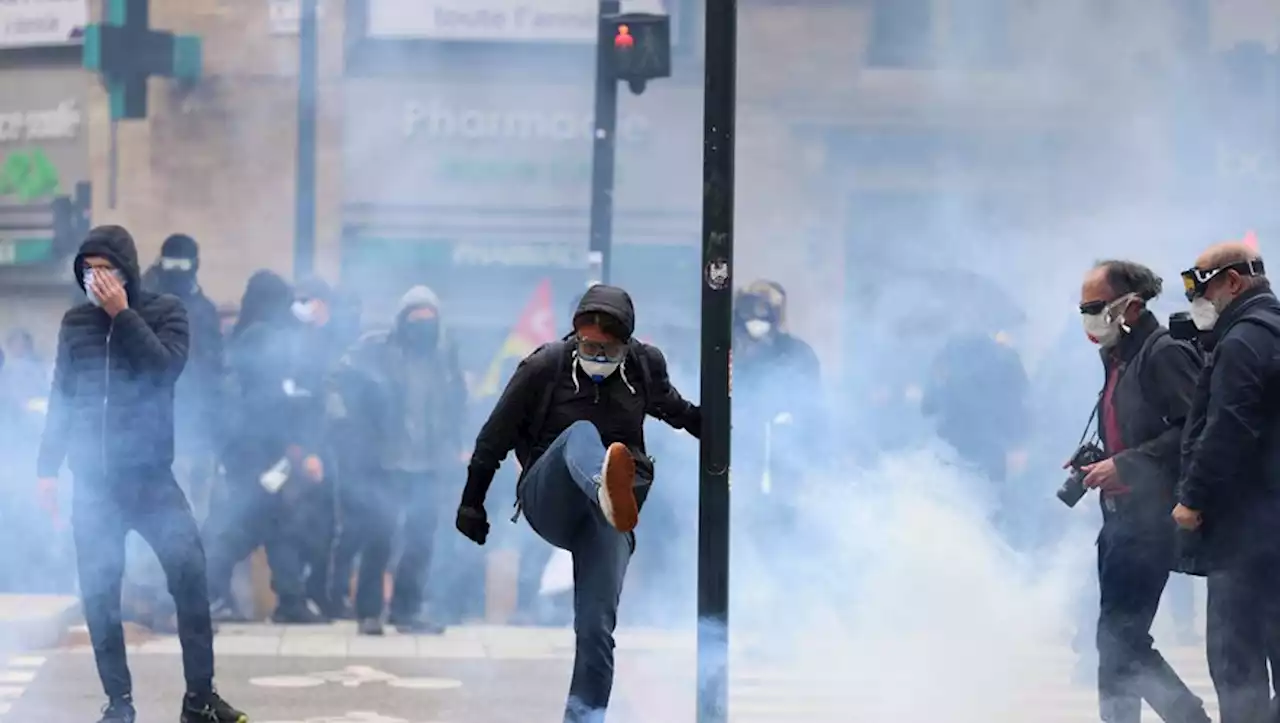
x=558, y=496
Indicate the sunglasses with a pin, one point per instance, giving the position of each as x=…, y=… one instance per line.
x=1196, y=281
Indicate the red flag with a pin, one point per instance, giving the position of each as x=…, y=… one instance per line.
x=1251, y=240
x=535, y=327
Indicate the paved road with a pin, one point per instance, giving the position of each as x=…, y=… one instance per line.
x=510, y=675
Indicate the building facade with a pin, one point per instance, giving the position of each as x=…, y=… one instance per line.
x=873, y=138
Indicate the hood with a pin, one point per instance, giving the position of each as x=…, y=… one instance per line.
x=266, y=299
x=116, y=245
x=416, y=298
x=609, y=300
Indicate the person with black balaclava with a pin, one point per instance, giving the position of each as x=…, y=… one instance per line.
x=1149, y=381
x=197, y=404
x=574, y=413
x=777, y=413
x=401, y=394
x=317, y=345
x=111, y=418
x=263, y=481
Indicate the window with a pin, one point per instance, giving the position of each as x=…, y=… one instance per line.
x=902, y=34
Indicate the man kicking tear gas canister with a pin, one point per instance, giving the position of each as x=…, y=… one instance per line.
x=574, y=413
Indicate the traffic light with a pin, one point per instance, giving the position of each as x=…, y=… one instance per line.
x=641, y=48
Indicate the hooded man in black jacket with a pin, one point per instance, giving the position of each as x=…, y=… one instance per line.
x=1230, y=484
x=111, y=417
x=1150, y=378
x=574, y=413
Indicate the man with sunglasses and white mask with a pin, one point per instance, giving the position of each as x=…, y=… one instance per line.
x=1230, y=484
x=1149, y=380
x=574, y=413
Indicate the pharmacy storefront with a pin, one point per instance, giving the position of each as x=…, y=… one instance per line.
x=483, y=190
x=44, y=150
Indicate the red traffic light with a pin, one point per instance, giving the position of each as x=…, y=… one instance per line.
x=624, y=41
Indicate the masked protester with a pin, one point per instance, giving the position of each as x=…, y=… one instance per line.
x=778, y=422
x=1150, y=378
x=197, y=405
x=574, y=413
x=249, y=510
x=1230, y=485
x=318, y=344
x=401, y=395
x=111, y=417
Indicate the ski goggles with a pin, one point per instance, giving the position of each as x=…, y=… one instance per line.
x=170, y=263
x=1195, y=281
x=611, y=350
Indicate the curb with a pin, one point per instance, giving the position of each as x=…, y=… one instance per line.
x=35, y=622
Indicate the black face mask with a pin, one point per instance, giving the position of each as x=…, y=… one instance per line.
x=420, y=335
x=177, y=282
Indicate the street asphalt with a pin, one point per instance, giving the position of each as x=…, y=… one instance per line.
x=512, y=675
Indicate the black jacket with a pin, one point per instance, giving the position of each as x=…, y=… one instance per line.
x=111, y=406
x=372, y=382
x=617, y=406
x=199, y=404
x=1152, y=399
x=1231, y=451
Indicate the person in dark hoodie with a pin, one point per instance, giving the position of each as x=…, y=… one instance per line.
x=197, y=407
x=1229, y=490
x=250, y=510
x=401, y=394
x=777, y=410
x=1150, y=378
x=316, y=518
x=574, y=413
x=111, y=417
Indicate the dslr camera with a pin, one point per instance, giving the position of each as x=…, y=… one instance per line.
x=1182, y=328
x=1073, y=490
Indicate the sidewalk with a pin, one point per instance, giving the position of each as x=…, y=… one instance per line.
x=32, y=622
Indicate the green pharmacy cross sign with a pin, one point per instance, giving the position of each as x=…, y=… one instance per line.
x=127, y=51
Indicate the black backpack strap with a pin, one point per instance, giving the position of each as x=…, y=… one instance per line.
x=539, y=420
x=642, y=360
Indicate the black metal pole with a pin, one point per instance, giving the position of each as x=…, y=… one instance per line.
x=719, y=110
x=304, y=221
x=602, y=152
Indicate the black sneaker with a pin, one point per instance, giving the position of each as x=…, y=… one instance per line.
x=370, y=626
x=297, y=614
x=209, y=708
x=119, y=711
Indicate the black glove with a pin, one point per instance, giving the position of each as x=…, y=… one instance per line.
x=474, y=523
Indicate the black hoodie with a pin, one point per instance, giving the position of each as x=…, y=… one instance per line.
x=617, y=406
x=111, y=406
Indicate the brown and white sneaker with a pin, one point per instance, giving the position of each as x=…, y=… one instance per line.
x=615, y=488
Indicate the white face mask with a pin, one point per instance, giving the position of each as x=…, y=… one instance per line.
x=1105, y=327
x=304, y=311
x=758, y=328
x=598, y=370
x=1101, y=329
x=1204, y=314
x=88, y=284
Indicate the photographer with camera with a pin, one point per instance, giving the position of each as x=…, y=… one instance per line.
x=1150, y=378
x=1230, y=485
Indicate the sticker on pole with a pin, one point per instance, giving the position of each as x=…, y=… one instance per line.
x=718, y=274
